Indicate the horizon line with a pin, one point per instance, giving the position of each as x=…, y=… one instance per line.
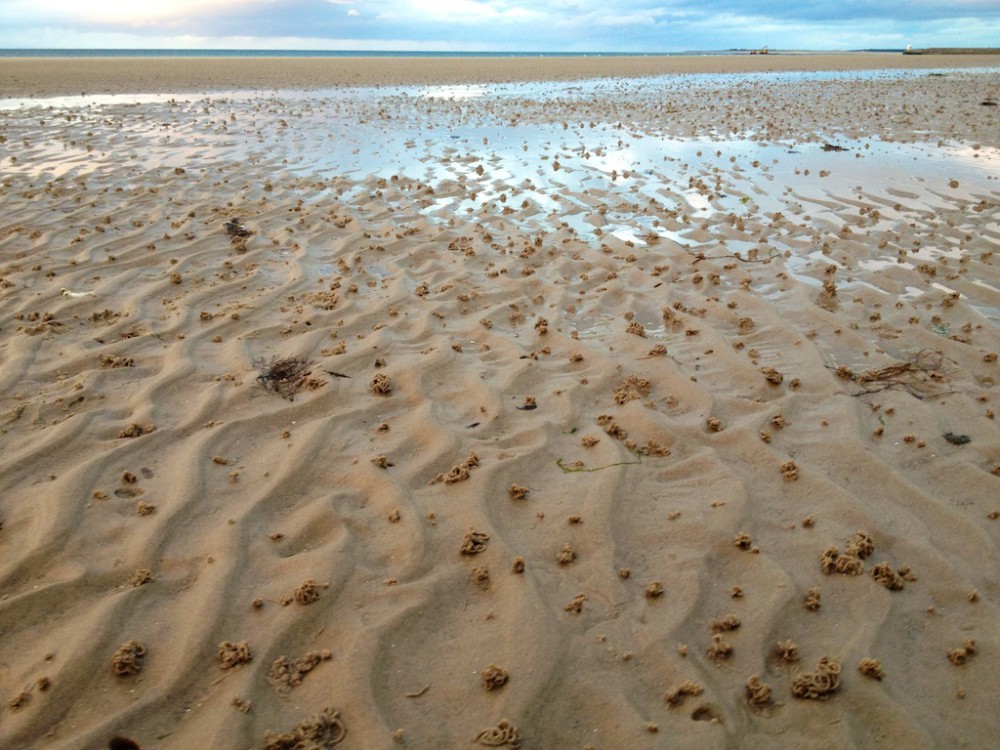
x=453, y=52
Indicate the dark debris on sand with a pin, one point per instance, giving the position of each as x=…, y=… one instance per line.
x=286, y=376
x=236, y=230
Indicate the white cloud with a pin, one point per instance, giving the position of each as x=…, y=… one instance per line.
x=609, y=20
x=55, y=38
x=458, y=11
x=116, y=12
x=499, y=25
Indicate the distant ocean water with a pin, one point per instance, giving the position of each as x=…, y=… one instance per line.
x=337, y=53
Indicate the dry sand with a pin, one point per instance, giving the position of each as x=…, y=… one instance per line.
x=613, y=414
x=61, y=76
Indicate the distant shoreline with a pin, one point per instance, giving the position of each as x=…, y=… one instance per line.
x=953, y=51
x=29, y=77
x=58, y=53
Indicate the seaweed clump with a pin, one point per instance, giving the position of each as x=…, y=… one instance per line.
x=381, y=384
x=305, y=594
x=885, y=575
x=758, y=693
x=676, y=695
x=787, y=651
x=812, y=600
x=127, y=660
x=922, y=377
x=859, y=548
x=566, y=555
x=233, y=654
x=871, y=668
x=861, y=545
x=719, y=650
x=459, y=472
x=236, y=230
x=727, y=623
x=286, y=376
x=959, y=656
x=818, y=685
x=494, y=677
x=285, y=674
x=474, y=542
x=135, y=430
x=631, y=388
x=320, y=732
x=503, y=733
x=517, y=492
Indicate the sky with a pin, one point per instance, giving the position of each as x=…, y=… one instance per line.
x=499, y=25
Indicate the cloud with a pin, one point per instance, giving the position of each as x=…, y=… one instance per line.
x=117, y=13
x=55, y=38
x=794, y=11
x=461, y=12
x=607, y=19
x=502, y=25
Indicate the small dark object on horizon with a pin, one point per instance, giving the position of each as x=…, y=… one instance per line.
x=954, y=439
x=987, y=103
x=235, y=229
x=833, y=147
x=286, y=377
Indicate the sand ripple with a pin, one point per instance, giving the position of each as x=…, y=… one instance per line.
x=658, y=344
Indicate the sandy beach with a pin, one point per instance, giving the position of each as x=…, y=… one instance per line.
x=41, y=77
x=569, y=403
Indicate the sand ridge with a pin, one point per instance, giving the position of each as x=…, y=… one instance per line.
x=609, y=417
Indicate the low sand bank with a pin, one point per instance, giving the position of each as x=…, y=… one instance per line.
x=955, y=51
x=21, y=77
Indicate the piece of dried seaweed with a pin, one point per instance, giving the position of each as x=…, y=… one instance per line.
x=923, y=377
x=503, y=733
x=236, y=230
x=286, y=376
x=818, y=685
x=127, y=660
x=319, y=732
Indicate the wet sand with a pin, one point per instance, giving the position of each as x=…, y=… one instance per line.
x=599, y=413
